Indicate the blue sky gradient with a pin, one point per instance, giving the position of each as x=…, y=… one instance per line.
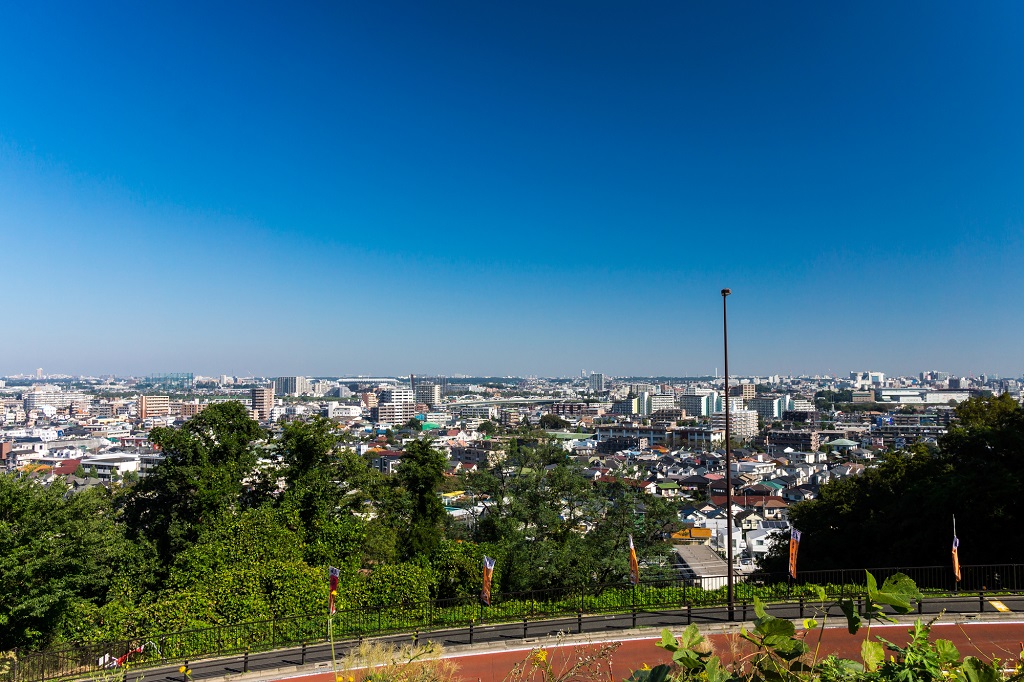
x=516, y=188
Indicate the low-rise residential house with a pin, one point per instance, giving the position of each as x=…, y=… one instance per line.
x=667, y=489
x=760, y=539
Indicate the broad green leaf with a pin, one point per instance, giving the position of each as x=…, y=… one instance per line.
x=834, y=667
x=810, y=623
x=873, y=655
x=786, y=647
x=688, y=659
x=690, y=637
x=759, y=608
x=853, y=620
x=819, y=592
x=947, y=652
x=978, y=671
x=775, y=626
x=658, y=673
x=897, y=591
x=667, y=642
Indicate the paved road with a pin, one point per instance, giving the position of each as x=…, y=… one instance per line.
x=984, y=639
x=511, y=632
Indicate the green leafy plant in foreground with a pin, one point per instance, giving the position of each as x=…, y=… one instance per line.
x=781, y=654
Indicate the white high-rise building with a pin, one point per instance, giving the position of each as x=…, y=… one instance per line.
x=742, y=423
x=699, y=405
x=597, y=382
x=397, y=394
x=291, y=385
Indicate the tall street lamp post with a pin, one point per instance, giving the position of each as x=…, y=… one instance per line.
x=728, y=465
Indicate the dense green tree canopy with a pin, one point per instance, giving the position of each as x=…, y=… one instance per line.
x=900, y=513
x=209, y=465
x=58, y=555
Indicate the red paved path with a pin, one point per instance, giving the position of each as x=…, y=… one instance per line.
x=985, y=640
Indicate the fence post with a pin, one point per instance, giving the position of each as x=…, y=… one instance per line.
x=981, y=600
x=470, y=632
x=303, y=661
x=524, y=627
x=634, y=617
x=801, y=606
x=184, y=675
x=245, y=661
x=579, y=622
x=689, y=614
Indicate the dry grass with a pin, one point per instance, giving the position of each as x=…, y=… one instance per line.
x=383, y=662
x=587, y=662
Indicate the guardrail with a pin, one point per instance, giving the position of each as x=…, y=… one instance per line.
x=675, y=594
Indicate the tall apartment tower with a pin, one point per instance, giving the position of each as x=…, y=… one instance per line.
x=429, y=394
x=397, y=394
x=154, y=406
x=745, y=391
x=597, y=382
x=291, y=385
x=263, y=402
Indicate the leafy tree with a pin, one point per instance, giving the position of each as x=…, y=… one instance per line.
x=414, y=424
x=420, y=475
x=550, y=527
x=59, y=553
x=394, y=584
x=206, y=470
x=246, y=566
x=488, y=427
x=553, y=422
x=327, y=486
x=457, y=568
x=976, y=473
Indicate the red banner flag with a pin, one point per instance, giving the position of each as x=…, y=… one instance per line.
x=956, y=558
x=634, y=565
x=794, y=547
x=334, y=575
x=485, y=594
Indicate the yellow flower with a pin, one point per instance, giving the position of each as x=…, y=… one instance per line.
x=181, y=669
x=645, y=667
x=539, y=657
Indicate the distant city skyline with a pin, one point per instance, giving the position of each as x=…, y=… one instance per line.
x=715, y=374
x=520, y=188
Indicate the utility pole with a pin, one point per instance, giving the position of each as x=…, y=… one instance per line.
x=728, y=465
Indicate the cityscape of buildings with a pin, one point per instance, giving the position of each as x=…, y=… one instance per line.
x=665, y=436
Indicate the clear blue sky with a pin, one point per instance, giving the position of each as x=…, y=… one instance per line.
x=519, y=187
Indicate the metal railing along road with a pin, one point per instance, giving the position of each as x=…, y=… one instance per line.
x=446, y=614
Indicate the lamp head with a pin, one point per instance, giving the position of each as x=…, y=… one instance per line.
x=726, y=292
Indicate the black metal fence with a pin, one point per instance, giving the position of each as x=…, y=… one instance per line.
x=661, y=595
